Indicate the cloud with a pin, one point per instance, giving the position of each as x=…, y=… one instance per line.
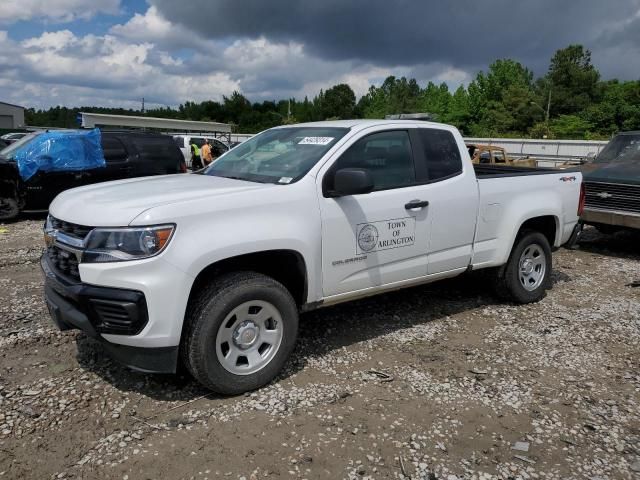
x=51, y=40
x=203, y=49
x=461, y=33
x=151, y=26
x=56, y=11
x=59, y=67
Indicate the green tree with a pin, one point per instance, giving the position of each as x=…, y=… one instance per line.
x=459, y=113
x=572, y=80
x=570, y=127
x=435, y=99
x=339, y=102
x=500, y=100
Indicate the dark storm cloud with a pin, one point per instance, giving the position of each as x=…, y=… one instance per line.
x=462, y=33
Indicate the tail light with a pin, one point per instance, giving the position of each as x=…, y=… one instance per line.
x=183, y=167
x=582, y=199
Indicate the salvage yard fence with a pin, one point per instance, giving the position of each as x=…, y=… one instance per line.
x=544, y=149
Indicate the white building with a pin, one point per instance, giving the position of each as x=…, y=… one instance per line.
x=11, y=116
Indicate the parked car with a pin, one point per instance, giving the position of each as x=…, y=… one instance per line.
x=12, y=137
x=184, y=144
x=612, y=184
x=494, y=155
x=127, y=155
x=211, y=269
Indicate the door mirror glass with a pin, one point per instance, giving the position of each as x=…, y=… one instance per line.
x=352, y=181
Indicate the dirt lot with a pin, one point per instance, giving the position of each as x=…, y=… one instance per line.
x=436, y=382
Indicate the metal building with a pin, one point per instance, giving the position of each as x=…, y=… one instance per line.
x=92, y=120
x=11, y=116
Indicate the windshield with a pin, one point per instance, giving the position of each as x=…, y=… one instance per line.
x=281, y=155
x=622, y=149
x=10, y=151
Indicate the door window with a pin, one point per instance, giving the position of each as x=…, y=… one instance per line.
x=441, y=153
x=114, y=151
x=387, y=156
x=485, y=157
x=218, y=147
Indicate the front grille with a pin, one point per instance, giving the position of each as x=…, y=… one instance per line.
x=71, y=229
x=609, y=196
x=64, y=262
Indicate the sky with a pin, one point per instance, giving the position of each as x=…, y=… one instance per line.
x=115, y=52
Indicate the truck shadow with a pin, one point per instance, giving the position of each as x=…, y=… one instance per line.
x=622, y=244
x=321, y=332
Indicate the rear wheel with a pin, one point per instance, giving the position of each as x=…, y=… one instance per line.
x=527, y=275
x=606, y=229
x=240, y=331
x=9, y=208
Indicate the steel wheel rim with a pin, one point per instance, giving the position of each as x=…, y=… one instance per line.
x=532, y=267
x=249, y=337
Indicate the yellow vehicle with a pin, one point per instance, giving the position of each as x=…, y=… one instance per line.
x=493, y=155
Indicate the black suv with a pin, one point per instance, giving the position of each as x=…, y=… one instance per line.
x=127, y=154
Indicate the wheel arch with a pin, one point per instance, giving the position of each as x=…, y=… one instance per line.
x=285, y=266
x=548, y=225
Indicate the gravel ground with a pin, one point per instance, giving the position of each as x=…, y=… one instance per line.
x=435, y=382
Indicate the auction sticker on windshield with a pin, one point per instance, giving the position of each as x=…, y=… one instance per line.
x=384, y=235
x=316, y=141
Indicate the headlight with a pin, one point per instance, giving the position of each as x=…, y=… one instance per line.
x=121, y=244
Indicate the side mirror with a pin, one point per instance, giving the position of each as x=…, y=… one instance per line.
x=352, y=181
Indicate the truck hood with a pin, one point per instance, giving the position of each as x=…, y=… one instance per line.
x=118, y=203
x=615, y=172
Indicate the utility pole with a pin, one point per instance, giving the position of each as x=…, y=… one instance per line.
x=143, y=105
x=548, y=110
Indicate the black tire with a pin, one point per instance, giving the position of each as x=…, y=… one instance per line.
x=9, y=209
x=205, y=316
x=508, y=284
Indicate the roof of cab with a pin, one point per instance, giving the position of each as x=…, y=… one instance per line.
x=364, y=123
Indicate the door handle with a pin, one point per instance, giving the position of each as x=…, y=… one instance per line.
x=413, y=204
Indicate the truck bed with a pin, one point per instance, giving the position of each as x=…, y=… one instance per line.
x=484, y=171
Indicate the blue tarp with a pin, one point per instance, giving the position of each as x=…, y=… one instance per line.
x=60, y=151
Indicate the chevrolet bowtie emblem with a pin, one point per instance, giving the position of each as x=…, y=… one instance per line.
x=605, y=195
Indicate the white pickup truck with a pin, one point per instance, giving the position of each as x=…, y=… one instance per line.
x=211, y=269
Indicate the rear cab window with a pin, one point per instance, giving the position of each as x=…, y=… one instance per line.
x=498, y=156
x=441, y=154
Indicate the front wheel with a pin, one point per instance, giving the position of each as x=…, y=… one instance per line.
x=240, y=331
x=527, y=275
x=9, y=208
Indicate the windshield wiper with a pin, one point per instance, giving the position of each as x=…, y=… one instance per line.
x=244, y=179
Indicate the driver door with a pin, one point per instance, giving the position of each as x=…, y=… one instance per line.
x=375, y=238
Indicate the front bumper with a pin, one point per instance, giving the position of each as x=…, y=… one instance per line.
x=105, y=310
x=608, y=217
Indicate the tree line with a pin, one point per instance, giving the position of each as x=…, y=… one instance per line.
x=570, y=101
